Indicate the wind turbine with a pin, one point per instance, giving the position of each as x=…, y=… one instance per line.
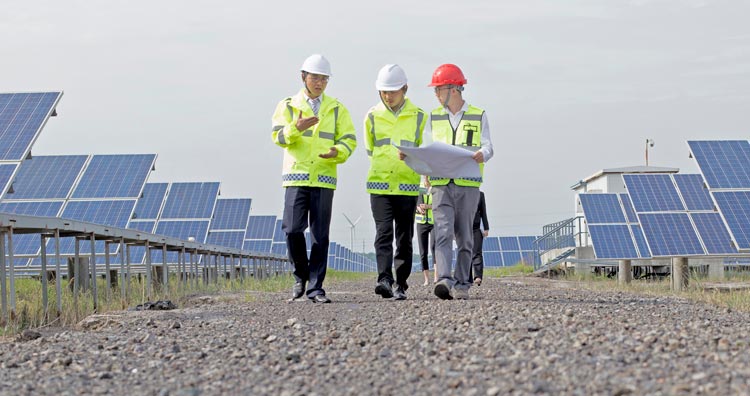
x=353, y=226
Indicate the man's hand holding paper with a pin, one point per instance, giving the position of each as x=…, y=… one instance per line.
x=441, y=160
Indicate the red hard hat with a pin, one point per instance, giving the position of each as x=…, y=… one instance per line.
x=447, y=74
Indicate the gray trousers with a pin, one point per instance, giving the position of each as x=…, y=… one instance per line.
x=454, y=208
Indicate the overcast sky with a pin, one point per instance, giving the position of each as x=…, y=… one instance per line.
x=570, y=87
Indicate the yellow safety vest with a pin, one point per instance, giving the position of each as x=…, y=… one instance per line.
x=388, y=175
x=302, y=165
x=425, y=218
x=468, y=135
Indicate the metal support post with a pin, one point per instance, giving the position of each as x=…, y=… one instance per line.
x=43, y=253
x=680, y=273
x=624, y=272
x=58, y=273
x=93, y=271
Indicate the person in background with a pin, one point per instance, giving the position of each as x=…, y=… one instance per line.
x=317, y=134
x=480, y=219
x=392, y=185
x=425, y=224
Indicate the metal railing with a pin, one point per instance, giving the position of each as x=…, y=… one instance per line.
x=562, y=234
x=195, y=260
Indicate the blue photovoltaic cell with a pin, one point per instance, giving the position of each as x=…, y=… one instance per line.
x=115, y=176
x=509, y=243
x=26, y=244
x=601, y=208
x=280, y=236
x=278, y=248
x=6, y=173
x=180, y=229
x=110, y=213
x=231, y=214
x=640, y=240
x=694, y=192
x=44, y=209
x=260, y=227
x=493, y=259
x=145, y=226
x=653, y=193
x=511, y=258
x=724, y=164
x=47, y=177
x=612, y=241
x=629, y=211
x=22, y=116
x=526, y=242
x=491, y=244
x=150, y=201
x=670, y=234
x=735, y=207
x=257, y=245
x=232, y=239
x=713, y=232
x=190, y=201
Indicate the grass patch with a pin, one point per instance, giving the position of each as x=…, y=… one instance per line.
x=738, y=300
x=518, y=269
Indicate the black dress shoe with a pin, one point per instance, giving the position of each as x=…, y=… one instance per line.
x=321, y=298
x=384, y=289
x=400, y=294
x=298, y=289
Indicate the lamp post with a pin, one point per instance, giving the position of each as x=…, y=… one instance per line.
x=649, y=143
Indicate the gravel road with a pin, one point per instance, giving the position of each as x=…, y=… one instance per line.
x=514, y=336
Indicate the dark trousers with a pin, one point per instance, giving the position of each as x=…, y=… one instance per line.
x=477, y=260
x=423, y=237
x=303, y=207
x=387, y=210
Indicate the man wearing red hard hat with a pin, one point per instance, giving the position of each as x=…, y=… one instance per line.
x=455, y=201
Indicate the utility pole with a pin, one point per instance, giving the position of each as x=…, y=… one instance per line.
x=353, y=227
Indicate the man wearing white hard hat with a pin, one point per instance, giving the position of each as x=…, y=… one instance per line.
x=317, y=134
x=392, y=185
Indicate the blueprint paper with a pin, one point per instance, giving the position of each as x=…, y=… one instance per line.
x=441, y=160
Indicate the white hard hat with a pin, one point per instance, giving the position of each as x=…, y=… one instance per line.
x=391, y=77
x=317, y=64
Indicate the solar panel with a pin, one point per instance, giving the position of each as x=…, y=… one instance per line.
x=115, y=176
x=111, y=213
x=612, y=241
x=151, y=201
x=279, y=235
x=509, y=244
x=191, y=201
x=231, y=214
x=46, y=209
x=257, y=245
x=278, y=248
x=6, y=175
x=713, y=232
x=629, y=211
x=601, y=208
x=670, y=234
x=694, y=192
x=653, y=193
x=491, y=244
x=181, y=229
x=527, y=242
x=608, y=226
x=22, y=116
x=735, y=208
x=46, y=177
x=511, y=258
x=260, y=227
x=232, y=239
x=492, y=259
x=640, y=241
x=145, y=226
x=724, y=164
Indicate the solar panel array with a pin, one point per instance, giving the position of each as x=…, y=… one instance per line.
x=613, y=227
x=677, y=216
x=507, y=251
x=22, y=117
x=725, y=166
x=230, y=222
